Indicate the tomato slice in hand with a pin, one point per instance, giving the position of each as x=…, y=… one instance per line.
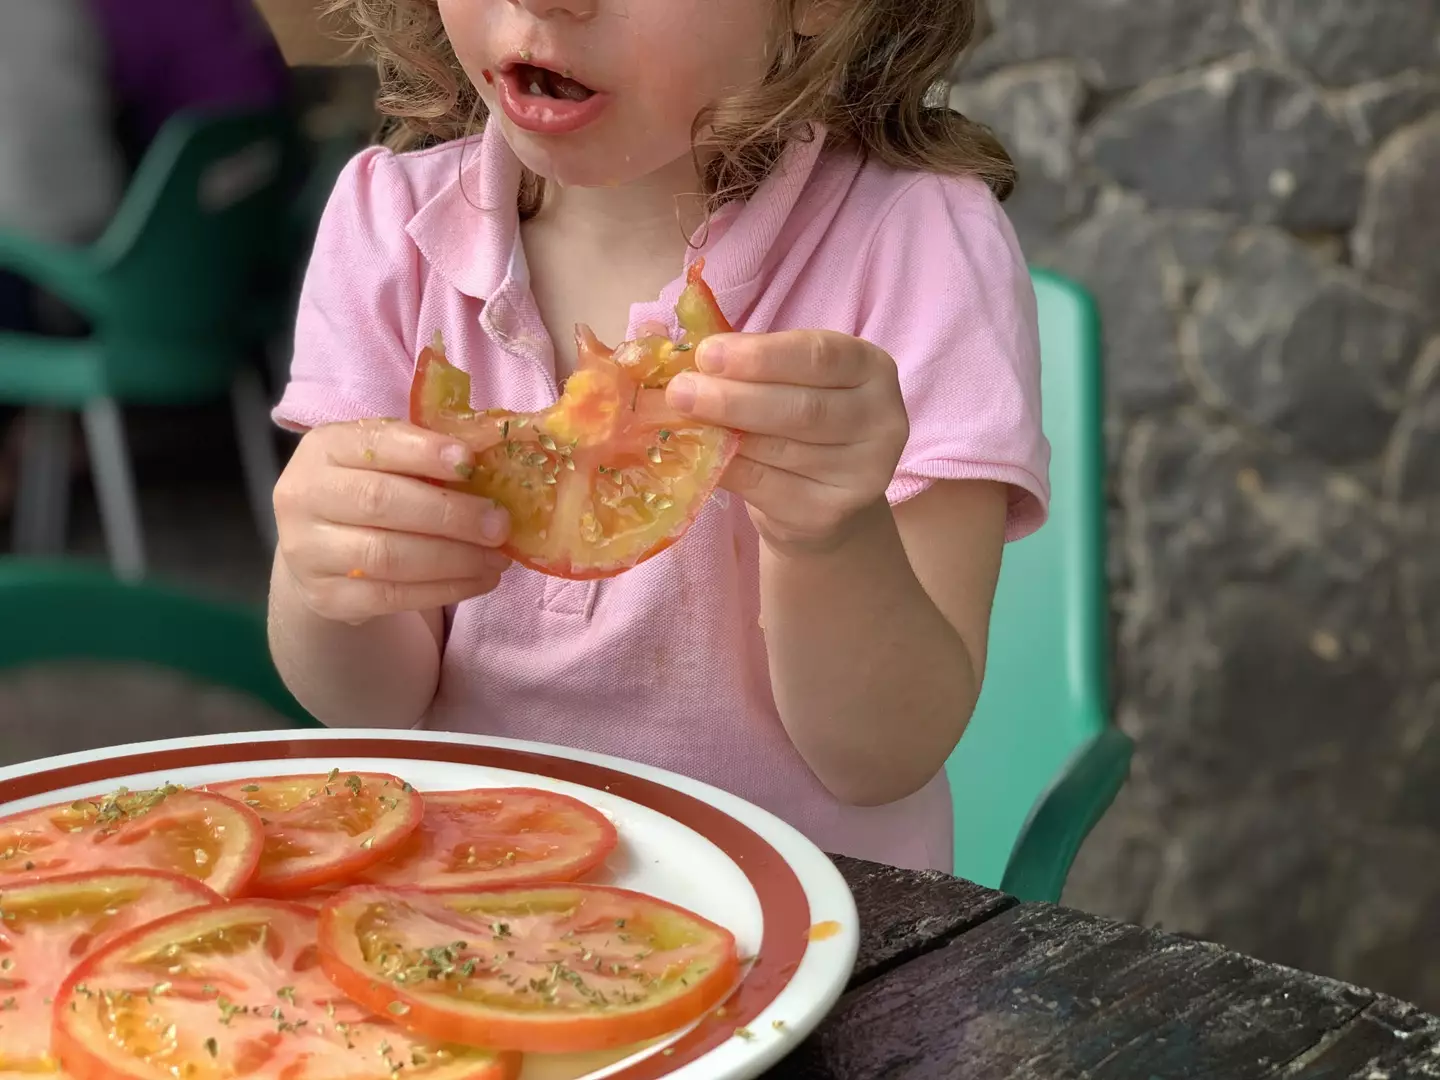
x=499, y=836
x=198, y=834
x=610, y=475
x=547, y=969
x=45, y=928
x=321, y=829
x=236, y=990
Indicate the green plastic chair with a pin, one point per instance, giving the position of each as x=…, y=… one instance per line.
x=64, y=610
x=173, y=294
x=1041, y=760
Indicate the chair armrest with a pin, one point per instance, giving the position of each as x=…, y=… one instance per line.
x=71, y=274
x=1063, y=817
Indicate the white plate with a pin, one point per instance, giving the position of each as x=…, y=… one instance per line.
x=680, y=840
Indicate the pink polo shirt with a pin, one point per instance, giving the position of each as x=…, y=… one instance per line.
x=666, y=664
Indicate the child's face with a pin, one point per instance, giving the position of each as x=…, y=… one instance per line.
x=652, y=65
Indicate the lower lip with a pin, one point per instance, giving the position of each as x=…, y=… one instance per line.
x=545, y=115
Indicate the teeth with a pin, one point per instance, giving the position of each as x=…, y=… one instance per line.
x=535, y=88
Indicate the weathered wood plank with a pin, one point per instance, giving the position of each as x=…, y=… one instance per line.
x=904, y=914
x=1388, y=1040
x=1042, y=993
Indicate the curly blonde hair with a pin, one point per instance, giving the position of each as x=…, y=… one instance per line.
x=869, y=78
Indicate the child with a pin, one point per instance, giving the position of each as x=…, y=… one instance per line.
x=816, y=642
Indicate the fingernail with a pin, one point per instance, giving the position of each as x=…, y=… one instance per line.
x=682, y=392
x=710, y=357
x=495, y=526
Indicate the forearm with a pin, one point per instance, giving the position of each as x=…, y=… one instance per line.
x=382, y=673
x=873, y=684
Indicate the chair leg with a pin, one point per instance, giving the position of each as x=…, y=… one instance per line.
x=42, y=499
x=115, y=487
x=258, y=459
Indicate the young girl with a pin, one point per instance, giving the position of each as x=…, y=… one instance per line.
x=816, y=642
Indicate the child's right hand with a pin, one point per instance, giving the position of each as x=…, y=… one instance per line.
x=362, y=534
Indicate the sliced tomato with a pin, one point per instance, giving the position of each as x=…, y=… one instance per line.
x=236, y=990
x=49, y=926
x=199, y=834
x=610, y=475
x=499, y=836
x=546, y=968
x=324, y=828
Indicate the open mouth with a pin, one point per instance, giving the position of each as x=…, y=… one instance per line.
x=542, y=82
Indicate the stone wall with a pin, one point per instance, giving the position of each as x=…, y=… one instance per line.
x=1251, y=188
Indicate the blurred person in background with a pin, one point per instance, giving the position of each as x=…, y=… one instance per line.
x=87, y=85
x=165, y=56
x=61, y=171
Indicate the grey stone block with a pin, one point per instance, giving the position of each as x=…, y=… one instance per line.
x=1243, y=139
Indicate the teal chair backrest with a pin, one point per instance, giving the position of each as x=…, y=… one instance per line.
x=207, y=206
x=1041, y=760
x=61, y=610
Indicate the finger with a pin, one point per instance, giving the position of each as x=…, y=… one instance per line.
x=393, y=446
x=804, y=459
x=770, y=490
x=405, y=558
x=352, y=600
x=826, y=417
x=819, y=358
x=404, y=504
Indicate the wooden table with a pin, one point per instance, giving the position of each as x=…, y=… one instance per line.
x=957, y=981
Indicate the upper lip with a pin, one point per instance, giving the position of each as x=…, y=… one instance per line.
x=535, y=58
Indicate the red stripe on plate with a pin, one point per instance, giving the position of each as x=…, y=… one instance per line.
x=782, y=899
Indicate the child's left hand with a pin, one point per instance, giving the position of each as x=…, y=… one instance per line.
x=822, y=421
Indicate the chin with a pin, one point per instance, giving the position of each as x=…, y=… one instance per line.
x=585, y=159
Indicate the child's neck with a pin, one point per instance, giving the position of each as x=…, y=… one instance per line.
x=658, y=210
x=595, y=251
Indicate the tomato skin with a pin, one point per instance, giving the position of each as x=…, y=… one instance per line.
x=278, y=877
x=452, y=816
x=697, y=309
x=82, y=1061
x=343, y=961
x=90, y=842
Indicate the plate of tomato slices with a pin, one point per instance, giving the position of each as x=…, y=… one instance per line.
x=394, y=904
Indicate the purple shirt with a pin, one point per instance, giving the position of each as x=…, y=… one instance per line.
x=169, y=55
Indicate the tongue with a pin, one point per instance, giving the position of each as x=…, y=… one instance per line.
x=562, y=87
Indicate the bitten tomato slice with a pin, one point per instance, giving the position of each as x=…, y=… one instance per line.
x=47, y=927
x=236, y=990
x=495, y=836
x=199, y=834
x=610, y=475
x=324, y=828
x=547, y=968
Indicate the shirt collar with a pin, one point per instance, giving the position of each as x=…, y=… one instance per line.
x=469, y=231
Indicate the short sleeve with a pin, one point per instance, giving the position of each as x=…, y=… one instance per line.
x=359, y=304
x=948, y=295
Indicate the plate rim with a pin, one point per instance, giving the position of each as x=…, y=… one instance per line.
x=813, y=872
